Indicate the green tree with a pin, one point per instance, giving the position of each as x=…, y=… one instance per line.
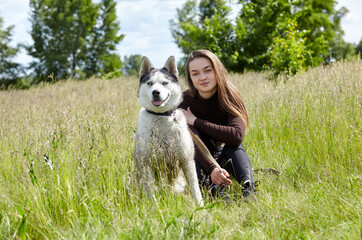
x=318, y=19
x=9, y=70
x=358, y=48
x=324, y=36
x=101, y=55
x=132, y=64
x=338, y=47
x=247, y=41
x=288, y=52
x=208, y=26
x=260, y=19
x=73, y=38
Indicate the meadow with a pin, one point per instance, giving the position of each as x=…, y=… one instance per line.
x=67, y=165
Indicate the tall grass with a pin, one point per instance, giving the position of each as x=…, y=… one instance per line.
x=308, y=128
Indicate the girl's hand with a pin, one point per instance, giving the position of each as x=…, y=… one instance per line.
x=190, y=117
x=220, y=176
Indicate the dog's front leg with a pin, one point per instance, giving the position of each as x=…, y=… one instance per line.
x=189, y=170
x=148, y=180
x=144, y=173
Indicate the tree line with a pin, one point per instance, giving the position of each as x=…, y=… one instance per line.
x=280, y=35
x=78, y=38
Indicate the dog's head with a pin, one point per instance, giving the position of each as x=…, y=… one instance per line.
x=159, y=90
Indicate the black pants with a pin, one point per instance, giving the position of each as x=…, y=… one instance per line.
x=232, y=159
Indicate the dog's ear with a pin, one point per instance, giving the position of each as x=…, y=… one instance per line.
x=146, y=66
x=170, y=65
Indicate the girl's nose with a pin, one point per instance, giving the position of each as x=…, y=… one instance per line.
x=202, y=76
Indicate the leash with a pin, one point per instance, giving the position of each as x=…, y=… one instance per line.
x=203, y=148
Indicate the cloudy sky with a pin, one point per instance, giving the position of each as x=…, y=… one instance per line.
x=146, y=26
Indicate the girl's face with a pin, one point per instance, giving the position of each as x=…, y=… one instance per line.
x=202, y=74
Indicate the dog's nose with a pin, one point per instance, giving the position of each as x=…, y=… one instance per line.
x=155, y=93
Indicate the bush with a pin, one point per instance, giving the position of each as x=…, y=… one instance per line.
x=288, y=52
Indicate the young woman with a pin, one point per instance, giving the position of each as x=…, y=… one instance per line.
x=216, y=113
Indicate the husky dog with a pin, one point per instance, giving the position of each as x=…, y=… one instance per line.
x=164, y=148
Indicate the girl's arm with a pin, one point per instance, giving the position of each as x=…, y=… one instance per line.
x=218, y=176
x=231, y=134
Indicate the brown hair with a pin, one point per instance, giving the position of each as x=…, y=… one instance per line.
x=230, y=99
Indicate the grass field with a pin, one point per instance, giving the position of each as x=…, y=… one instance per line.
x=308, y=128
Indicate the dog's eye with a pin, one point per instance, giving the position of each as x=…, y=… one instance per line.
x=164, y=83
x=149, y=83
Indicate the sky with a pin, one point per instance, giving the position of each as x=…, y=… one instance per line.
x=146, y=26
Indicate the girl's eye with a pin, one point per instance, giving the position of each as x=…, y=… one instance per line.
x=195, y=74
x=149, y=83
x=164, y=83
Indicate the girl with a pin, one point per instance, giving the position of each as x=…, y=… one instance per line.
x=216, y=113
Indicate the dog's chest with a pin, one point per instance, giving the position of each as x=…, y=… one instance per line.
x=164, y=130
x=163, y=135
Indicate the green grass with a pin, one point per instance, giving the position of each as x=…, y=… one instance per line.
x=308, y=128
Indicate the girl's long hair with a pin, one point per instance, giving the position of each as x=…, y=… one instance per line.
x=230, y=99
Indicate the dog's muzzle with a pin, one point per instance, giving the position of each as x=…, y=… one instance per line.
x=157, y=101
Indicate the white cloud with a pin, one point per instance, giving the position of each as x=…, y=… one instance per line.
x=146, y=25
x=352, y=22
x=15, y=12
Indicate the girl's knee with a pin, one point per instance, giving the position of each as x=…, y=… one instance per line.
x=229, y=148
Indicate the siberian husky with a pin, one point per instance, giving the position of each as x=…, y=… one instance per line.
x=164, y=148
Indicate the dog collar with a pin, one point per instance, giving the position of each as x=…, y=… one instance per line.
x=168, y=113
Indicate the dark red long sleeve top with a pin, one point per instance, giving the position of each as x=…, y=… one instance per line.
x=213, y=125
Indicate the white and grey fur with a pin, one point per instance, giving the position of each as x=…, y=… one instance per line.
x=164, y=148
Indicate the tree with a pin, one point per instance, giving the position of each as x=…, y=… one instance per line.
x=73, y=38
x=247, y=41
x=358, y=48
x=101, y=57
x=288, y=52
x=338, y=47
x=260, y=20
x=208, y=27
x=324, y=32
x=9, y=70
x=132, y=64
x=318, y=19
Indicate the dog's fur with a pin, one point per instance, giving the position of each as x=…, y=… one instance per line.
x=164, y=148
